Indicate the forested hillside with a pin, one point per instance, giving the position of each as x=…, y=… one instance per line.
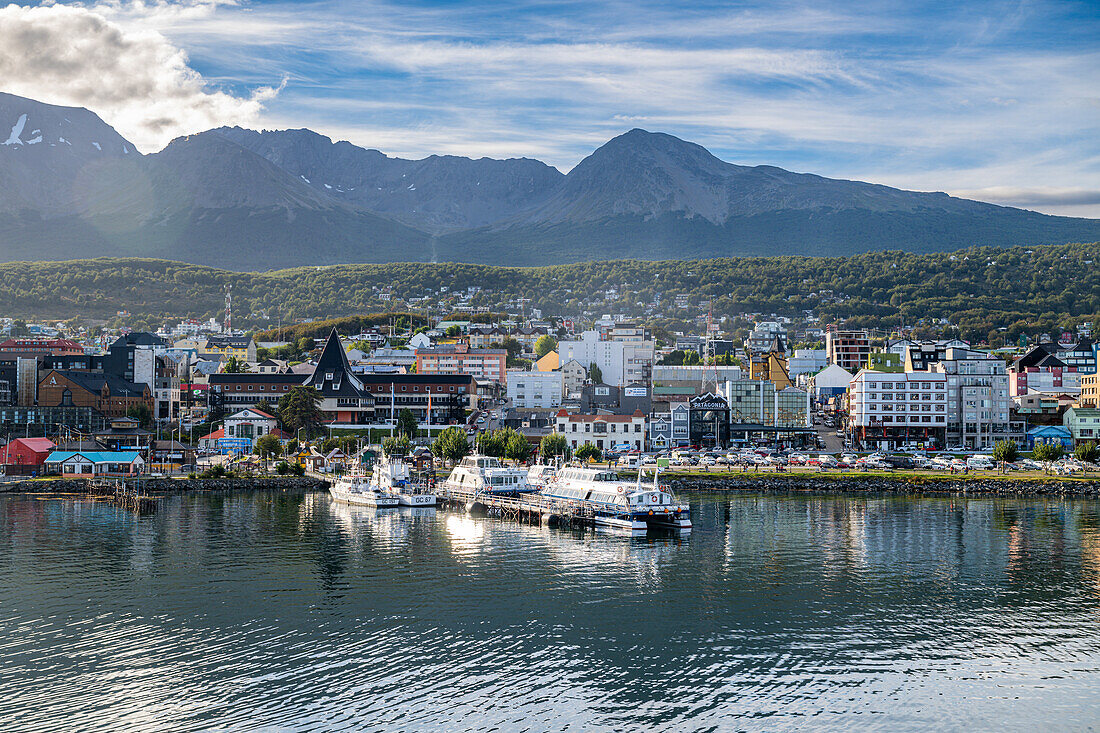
x=980, y=288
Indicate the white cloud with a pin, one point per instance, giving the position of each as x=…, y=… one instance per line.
x=129, y=74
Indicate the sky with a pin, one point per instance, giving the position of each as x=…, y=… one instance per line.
x=987, y=99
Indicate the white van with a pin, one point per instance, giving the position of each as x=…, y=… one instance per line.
x=628, y=461
x=979, y=463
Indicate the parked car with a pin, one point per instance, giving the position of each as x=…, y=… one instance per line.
x=707, y=461
x=979, y=463
x=827, y=461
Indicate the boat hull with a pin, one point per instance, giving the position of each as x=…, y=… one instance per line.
x=415, y=500
x=362, y=498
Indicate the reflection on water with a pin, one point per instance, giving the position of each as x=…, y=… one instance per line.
x=259, y=611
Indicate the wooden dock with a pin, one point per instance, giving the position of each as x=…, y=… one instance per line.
x=532, y=507
x=120, y=493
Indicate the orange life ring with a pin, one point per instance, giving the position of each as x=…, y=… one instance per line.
x=620, y=489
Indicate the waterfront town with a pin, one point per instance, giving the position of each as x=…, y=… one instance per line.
x=122, y=402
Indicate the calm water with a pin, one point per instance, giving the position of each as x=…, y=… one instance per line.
x=280, y=612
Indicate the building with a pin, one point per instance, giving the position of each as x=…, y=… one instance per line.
x=548, y=363
x=133, y=357
x=832, y=381
x=232, y=392
x=771, y=365
x=241, y=348
x=1049, y=435
x=691, y=379
x=620, y=362
x=978, y=404
x=461, y=359
x=890, y=409
x=847, y=349
x=806, y=361
x=573, y=376
x=606, y=432
x=1090, y=390
x=24, y=455
x=886, y=361
x=32, y=347
x=108, y=395
x=535, y=389
x=763, y=334
x=919, y=356
x=1040, y=370
x=251, y=424
x=77, y=464
x=1083, y=424
x=757, y=410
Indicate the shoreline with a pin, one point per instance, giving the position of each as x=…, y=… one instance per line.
x=153, y=486
x=864, y=484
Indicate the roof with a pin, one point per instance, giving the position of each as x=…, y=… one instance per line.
x=93, y=382
x=256, y=378
x=216, y=435
x=598, y=418
x=38, y=445
x=95, y=456
x=253, y=411
x=333, y=371
x=1049, y=430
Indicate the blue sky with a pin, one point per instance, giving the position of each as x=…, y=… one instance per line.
x=995, y=100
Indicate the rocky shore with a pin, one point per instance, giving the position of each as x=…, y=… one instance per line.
x=169, y=485
x=858, y=484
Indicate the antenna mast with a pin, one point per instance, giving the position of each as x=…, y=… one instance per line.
x=229, y=308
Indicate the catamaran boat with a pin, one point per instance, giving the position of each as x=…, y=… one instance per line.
x=540, y=475
x=392, y=477
x=355, y=488
x=619, y=504
x=485, y=475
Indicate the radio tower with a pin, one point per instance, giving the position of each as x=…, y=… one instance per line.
x=229, y=308
x=710, y=372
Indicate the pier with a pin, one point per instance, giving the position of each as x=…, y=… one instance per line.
x=532, y=508
x=120, y=493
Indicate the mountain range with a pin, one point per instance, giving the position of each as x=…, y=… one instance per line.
x=72, y=187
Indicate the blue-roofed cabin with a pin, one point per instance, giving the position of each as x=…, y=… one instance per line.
x=95, y=464
x=1049, y=434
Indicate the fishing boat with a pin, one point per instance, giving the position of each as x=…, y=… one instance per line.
x=478, y=474
x=619, y=504
x=356, y=488
x=393, y=478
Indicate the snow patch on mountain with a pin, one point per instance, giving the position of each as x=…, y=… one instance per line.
x=16, y=131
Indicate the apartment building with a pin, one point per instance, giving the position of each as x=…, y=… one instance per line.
x=978, y=401
x=847, y=349
x=619, y=362
x=619, y=432
x=1041, y=370
x=890, y=409
x=485, y=364
x=535, y=389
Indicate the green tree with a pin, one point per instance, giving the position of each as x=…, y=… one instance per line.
x=595, y=374
x=516, y=447
x=267, y=447
x=305, y=345
x=589, y=452
x=1048, y=451
x=453, y=332
x=544, y=345
x=1005, y=451
x=142, y=414
x=396, y=445
x=490, y=443
x=554, y=445
x=451, y=444
x=1087, y=452
x=406, y=423
x=300, y=408
x=233, y=365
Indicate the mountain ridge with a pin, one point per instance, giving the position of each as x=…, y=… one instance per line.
x=232, y=197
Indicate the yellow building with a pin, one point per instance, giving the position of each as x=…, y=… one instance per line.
x=548, y=363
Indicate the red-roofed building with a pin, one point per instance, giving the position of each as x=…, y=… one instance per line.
x=24, y=455
x=606, y=432
x=210, y=440
x=28, y=347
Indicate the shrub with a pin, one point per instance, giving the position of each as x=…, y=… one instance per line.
x=1006, y=451
x=1048, y=452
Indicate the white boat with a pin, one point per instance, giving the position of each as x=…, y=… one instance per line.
x=540, y=475
x=392, y=477
x=485, y=475
x=619, y=504
x=355, y=488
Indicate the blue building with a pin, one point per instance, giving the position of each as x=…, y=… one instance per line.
x=1054, y=434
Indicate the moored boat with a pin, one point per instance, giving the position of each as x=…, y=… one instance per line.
x=619, y=504
x=486, y=475
x=355, y=488
x=393, y=477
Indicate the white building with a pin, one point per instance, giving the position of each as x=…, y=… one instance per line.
x=251, y=424
x=806, y=361
x=606, y=432
x=977, y=399
x=762, y=335
x=573, y=374
x=620, y=362
x=887, y=409
x=535, y=389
